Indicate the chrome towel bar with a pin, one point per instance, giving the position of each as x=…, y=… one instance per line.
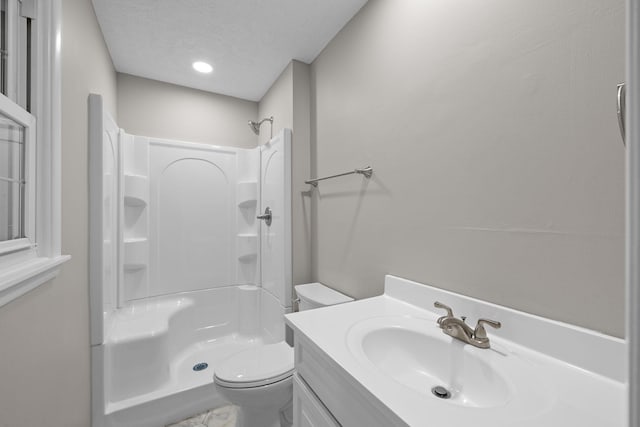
x=366, y=171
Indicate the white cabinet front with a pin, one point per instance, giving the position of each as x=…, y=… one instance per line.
x=308, y=410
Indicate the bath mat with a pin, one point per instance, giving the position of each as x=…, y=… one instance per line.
x=224, y=416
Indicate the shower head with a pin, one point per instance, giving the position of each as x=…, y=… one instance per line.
x=255, y=126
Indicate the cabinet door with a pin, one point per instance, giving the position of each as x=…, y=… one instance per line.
x=308, y=411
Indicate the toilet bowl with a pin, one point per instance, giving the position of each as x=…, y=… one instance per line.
x=260, y=380
x=263, y=406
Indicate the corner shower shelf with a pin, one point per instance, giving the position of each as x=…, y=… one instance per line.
x=247, y=193
x=135, y=190
x=247, y=259
x=135, y=254
x=247, y=247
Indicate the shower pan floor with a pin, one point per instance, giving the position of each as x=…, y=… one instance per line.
x=210, y=352
x=184, y=377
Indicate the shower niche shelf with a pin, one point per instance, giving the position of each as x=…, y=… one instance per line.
x=135, y=190
x=248, y=258
x=136, y=253
x=247, y=247
x=247, y=193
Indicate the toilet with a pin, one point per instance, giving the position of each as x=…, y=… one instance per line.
x=260, y=380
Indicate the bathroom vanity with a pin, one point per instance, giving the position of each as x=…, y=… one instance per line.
x=385, y=361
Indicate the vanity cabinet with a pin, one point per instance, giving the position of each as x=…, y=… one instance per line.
x=326, y=396
x=308, y=411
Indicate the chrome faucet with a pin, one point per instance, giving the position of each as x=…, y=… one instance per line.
x=458, y=328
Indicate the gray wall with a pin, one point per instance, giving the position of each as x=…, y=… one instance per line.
x=492, y=131
x=277, y=102
x=44, y=351
x=152, y=108
x=288, y=101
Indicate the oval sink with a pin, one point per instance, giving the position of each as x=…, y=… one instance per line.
x=422, y=362
x=415, y=353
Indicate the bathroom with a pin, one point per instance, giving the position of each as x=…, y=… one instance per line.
x=528, y=213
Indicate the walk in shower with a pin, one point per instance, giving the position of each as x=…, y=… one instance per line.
x=182, y=273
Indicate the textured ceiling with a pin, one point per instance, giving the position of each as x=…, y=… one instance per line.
x=248, y=42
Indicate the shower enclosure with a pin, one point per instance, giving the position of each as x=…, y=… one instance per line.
x=182, y=273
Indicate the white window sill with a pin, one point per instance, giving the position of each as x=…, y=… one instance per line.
x=21, y=278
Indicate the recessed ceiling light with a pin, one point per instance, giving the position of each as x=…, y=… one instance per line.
x=202, y=67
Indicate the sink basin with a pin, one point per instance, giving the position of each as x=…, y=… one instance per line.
x=416, y=354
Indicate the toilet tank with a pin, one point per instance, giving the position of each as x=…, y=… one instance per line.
x=316, y=295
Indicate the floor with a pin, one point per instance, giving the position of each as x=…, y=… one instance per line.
x=220, y=417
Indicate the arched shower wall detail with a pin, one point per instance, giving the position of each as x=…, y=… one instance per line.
x=193, y=225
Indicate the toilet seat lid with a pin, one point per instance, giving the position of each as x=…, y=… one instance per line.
x=260, y=365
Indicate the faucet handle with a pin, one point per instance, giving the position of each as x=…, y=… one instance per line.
x=438, y=304
x=480, y=333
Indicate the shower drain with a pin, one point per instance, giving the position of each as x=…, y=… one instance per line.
x=200, y=366
x=441, y=392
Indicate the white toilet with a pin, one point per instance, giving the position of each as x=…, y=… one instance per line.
x=259, y=379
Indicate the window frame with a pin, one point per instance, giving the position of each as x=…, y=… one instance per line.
x=16, y=113
x=28, y=263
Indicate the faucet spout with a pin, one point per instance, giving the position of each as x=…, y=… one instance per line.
x=457, y=328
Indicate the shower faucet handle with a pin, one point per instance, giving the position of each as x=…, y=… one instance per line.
x=267, y=217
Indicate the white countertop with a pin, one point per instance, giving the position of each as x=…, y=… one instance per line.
x=570, y=391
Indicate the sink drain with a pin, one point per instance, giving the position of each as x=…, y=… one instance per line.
x=441, y=392
x=200, y=366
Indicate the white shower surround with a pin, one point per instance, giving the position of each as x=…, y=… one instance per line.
x=183, y=283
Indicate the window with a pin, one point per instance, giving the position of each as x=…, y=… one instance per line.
x=17, y=128
x=17, y=138
x=29, y=145
x=12, y=179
